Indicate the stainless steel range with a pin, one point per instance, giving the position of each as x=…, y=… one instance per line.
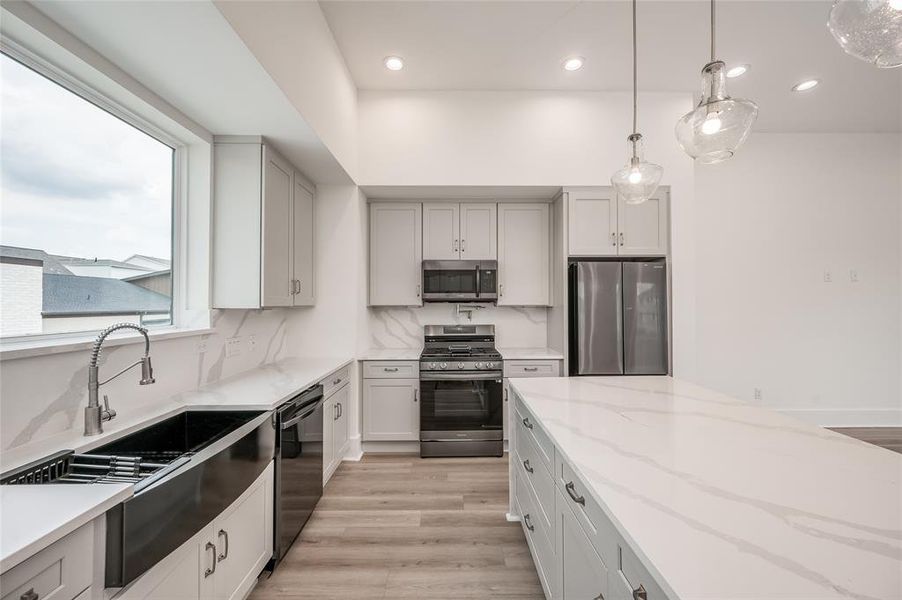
x=460, y=392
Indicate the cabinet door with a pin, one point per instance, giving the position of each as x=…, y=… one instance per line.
x=396, y=251
x=479, y=231
x=524, y=255
x=584, y=575
x=303, y=240
x=592, y=222
x=340, y=434
x=329, y=414
x=441, y=231
x=644, y=228
x=391, y=410
x=243, y=541
x=182, y=582
x=276, y=269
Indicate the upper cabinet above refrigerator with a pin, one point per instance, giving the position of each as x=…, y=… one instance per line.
x=600, y=224
x=466, y=231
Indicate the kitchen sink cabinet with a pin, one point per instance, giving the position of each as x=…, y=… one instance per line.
x=391, y=410
x=396, y=253
x=263, y=227
x=601, y=224
x=466, y=231
x=524, y=254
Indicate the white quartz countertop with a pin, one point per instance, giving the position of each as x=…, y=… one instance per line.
x=726, y=500
x=530, y=354
x=32, y=518
x=391, y=354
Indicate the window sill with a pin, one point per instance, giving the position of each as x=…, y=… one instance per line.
x=44, y=346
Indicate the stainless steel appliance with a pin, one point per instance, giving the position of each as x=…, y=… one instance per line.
x=298, y=466
x=618, y=317
x=460, y=392
x=460, y=280
x=186, y=469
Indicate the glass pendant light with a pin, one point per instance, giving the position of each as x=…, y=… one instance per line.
x=870, y=30
x=719, y=124
x=637, y=180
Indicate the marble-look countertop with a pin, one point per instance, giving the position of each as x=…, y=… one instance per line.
x=725, y=500
x=530, y=354
x=34, y=518
x=391, y=354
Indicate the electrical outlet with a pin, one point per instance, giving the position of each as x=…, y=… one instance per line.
x=853, y=275
x=202, y=346
x=828, y=276
x=251, y=343
x=758, y=394
x=232, y=347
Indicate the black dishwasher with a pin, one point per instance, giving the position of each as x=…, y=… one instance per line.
x=298, y=466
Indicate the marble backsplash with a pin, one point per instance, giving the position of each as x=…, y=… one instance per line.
x=45, y=395
x=402, y=327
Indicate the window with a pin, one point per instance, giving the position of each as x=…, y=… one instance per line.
x=86, y=205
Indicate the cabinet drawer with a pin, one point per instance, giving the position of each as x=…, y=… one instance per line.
x=532, y=368
x=539, y=478
x=391, y=369
x=528, y=426
x=540, y=539
x=59, y=572
x=595, y=523
x=632, y=577
x=336, y=380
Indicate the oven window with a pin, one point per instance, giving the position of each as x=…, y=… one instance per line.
x=460, y=405
x=449, y=282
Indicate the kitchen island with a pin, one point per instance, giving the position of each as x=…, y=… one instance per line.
x=654, y=487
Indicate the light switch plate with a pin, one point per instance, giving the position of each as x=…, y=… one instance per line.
x=251, y=343
x=232, y=347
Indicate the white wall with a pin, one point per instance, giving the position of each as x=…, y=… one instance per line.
x=769, y=224
x=293, y=42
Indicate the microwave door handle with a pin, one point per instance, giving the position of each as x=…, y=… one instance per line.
x=478, y=281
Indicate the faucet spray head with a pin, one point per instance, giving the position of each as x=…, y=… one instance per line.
x=146, y=371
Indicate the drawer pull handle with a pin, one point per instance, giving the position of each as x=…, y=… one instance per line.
x=571, y=491
x=210, y=570
x=530, y=369
x=390, y=369
x=527, y=467
x=29, y=595
x=336, y=381
x=225, y=553
x=639, y=593
x=599, y=597
x=529, y=524
x=527, y=423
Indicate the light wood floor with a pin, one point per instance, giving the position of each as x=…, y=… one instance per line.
x=393, y=527
x=885, y=437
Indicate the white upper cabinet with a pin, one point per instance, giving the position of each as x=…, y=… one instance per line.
x=441, y=231
x=600, y=224
x=396, y=254
x=593, y=222
x=524, y=254
x=263, y=228
x=478, y=231
x=467, y=231
x=303, y=239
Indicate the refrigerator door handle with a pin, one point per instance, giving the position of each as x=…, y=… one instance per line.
x=621, y=316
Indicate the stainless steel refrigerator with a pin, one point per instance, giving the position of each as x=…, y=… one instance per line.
x=618, y=318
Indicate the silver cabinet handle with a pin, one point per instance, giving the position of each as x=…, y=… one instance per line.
x=455, y=245
x=336, y=381
x=416, y=395
x=463, y=245
x=571, y=491
x=29, y=595
x=225, y=553
x=621, y=238
x=613, y=239
x=418, y=290
x=505, y=394
x=527, y=424
x=531, y=369
x=527, y=467
x=335, y=412
x=390, y=369
x=210, y=570
x=599, y=597
x=500, y=289
x=299, y=285
x=341, y=410
x=529, y=524
x=639, y=593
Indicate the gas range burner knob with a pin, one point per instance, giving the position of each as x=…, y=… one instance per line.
x=478, y=365
x=444, y=365
x=431, y=365
x=460, y=365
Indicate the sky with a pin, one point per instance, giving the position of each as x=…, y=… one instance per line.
x=74, y=180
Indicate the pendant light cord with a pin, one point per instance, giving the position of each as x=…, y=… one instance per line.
x=712, y=30
x=635, y=73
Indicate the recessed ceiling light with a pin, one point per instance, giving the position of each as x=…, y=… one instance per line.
x=806, y=85
x=394, y=63
x=574, y=63
x=739, y=70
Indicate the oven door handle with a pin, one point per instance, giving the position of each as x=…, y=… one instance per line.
x=484, y=376
x=478, y=283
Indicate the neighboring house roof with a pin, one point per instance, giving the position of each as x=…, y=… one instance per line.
x=97, y=262
x=143, y=258
x=73, y=295
x=51, y=264
x=146, y=275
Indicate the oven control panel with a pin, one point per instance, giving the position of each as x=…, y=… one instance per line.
x=460, y=365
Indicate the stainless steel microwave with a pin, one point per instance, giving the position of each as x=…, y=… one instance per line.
x=460, y=280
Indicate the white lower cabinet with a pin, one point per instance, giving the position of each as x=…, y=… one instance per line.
x=524, y=368
x=336, y=434
x=391, y=401
x=223, y=560
x=584, y=575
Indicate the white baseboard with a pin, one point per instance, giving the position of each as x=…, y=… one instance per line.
x=840, y=417
x=512, y=518
x=355, y=450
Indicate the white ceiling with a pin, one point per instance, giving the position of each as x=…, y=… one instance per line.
x=475, y=45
